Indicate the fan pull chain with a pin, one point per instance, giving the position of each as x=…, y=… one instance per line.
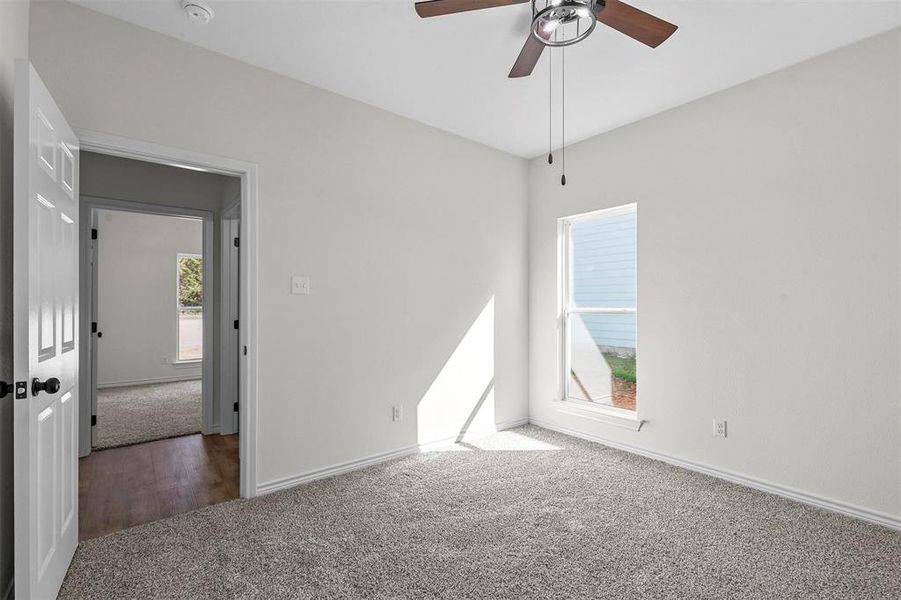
x=550, y=108
x=563, y=114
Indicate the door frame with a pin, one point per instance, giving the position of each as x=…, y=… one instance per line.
x=113, y=145
x=88, y=360
x=229, y=310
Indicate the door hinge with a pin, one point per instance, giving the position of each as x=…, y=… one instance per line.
x=93, y=420
x=235, y=407
x=93, y=234
x=237, y=242
x=236, y=323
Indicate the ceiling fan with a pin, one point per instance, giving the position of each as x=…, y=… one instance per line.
x=563, y=22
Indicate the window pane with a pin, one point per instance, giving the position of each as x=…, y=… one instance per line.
x=190, y=308
x=190, y=281
x=602, y=359
x=190, y=334
x=603, y=261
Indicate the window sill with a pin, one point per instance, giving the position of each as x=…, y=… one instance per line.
x=185, y=364
x=602, y=414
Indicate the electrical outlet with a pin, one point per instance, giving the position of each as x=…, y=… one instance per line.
x=719, y=428
x=300, y=285
x=397, y=413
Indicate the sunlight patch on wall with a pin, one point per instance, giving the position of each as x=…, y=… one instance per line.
x=461, y=398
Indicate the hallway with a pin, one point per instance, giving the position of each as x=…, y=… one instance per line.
x=123, y=487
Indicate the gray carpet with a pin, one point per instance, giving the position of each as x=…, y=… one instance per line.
x=140, y=413
x=521, y=514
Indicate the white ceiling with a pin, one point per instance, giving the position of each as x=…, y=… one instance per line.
x=451, y=72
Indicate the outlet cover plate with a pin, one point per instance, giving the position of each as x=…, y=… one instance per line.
x=719, y=428
x=300, y=285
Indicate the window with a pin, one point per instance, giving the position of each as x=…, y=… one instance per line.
x=600, y=299
x=190, y=307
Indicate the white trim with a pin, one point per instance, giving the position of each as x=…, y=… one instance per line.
x=229, y=282
x=128, y=148
x=284, y=483
x=345, y=467
x=613, y=211
x=850, y=510
x=187, y=364
x=609, y=415
x=167, y=379
x=118, y=204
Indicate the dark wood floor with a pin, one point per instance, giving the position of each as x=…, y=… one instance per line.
x=124, y=487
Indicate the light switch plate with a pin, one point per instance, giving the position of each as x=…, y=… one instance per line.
x=300, y=285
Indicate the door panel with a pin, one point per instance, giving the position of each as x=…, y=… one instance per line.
x=68, y=450
x=45, y=307
x=46, y=481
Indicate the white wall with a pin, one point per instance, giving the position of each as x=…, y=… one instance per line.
x=136, y=291
x=768, y=231
x=407, y=233
x=13, y=45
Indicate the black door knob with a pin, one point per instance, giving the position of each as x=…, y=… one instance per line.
x=100, y=334
x=5, y=389
x=51, y=386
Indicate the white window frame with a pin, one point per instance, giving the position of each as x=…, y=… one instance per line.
x=179, y=361
x=568, y=309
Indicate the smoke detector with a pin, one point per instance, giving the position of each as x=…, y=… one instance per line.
x=197, y=11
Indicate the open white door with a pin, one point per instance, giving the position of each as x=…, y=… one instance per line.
x=45, y=353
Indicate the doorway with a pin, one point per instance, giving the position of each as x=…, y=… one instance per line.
x=52, y=337
x=147, y=347
x=158, y=433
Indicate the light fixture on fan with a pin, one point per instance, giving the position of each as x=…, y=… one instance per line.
x=562, y=22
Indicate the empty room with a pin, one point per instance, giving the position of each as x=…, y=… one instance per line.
x=483, y=299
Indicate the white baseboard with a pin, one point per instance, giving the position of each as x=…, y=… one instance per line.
x=352, y=465
x=858, y=512
x=168, y=379
x=294, y=480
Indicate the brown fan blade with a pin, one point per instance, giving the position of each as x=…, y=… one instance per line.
x=528, y=58
x=435, y=8
x=635, y=23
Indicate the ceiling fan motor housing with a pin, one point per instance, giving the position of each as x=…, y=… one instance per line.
x=562, y=22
